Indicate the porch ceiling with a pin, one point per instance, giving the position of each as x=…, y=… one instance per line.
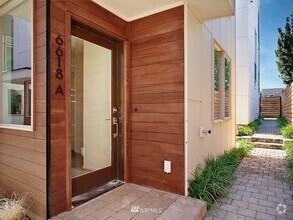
x=131, y=10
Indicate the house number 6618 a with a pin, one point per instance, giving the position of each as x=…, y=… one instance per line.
x=59, y=72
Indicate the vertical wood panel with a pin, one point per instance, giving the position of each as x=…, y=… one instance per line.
x=157, y=100
x=23, y=153
x=94, y=16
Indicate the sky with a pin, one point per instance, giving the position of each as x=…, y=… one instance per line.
x=273, y=15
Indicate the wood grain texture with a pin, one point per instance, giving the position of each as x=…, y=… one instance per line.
x=23, y=153
x=287, y=103
x=271, y=107
x=157, y=100
x=99, y=20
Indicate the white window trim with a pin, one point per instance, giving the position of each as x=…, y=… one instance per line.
x=218, y=120
x=5, y=8
x=230, y=93
x=223, y=55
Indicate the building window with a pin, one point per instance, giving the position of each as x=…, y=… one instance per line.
x=227, y=87
x=221, y=85
x=16, y=61
x=255, y=60
x=217, y=83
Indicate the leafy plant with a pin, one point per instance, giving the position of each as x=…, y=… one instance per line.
x=287, y=131
x=15, y=207
x=247, y=130
x=284, y=51
x=213, y=180
x=289, y=149
x=244, y=130
x=282, y=122
x=255, y=124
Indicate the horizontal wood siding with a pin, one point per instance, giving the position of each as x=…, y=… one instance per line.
x=271, y=107
x=102, y=20
x=157, y=100
x=23, y=153
x=287, y=103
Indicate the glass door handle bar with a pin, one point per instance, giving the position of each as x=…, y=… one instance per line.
x=115, y=123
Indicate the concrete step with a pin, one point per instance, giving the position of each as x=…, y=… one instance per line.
x=268, y=145
x=267, y=140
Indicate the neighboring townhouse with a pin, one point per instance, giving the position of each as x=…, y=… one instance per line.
x=96, y=91
x=247, y=62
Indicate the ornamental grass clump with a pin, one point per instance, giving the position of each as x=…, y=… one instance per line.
x=289, y=149
x=16, y=207
x=287, y=131
x=248, y=130
x=214, y=180
x=282, y=122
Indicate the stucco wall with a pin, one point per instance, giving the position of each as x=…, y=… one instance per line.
x=199, y=38
x=247, y=92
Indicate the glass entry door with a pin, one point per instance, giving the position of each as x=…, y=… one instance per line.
x=94, y=108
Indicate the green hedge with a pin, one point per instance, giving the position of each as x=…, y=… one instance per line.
x=213, y=180
x=287, y=131
x=248, y=130
x=289, y=149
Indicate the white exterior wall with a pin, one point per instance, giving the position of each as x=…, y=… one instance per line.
x=199, y=46
x=247, y=92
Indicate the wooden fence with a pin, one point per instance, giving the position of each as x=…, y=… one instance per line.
x=287, y=103
x=271, y=107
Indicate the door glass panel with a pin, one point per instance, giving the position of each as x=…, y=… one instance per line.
x=91, y=107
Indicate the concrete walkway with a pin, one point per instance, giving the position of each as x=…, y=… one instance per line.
x=260, y=191
x=268, y=128
x=131, y=201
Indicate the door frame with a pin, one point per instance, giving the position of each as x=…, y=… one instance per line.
x=123, y=79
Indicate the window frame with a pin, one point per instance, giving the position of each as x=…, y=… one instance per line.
x=223, y=56
x=7, y=7
x=224, y=115
x=216, y=45
x=255, y=68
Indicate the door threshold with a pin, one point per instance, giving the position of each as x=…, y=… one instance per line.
x=85, y=197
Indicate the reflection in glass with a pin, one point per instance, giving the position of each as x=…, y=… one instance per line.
x=227, y=87
x=15, y=74
x=91, y=106
x=217, y=93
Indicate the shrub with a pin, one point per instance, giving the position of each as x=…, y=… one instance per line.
x=247, y=130
x=244, y=130
x=289, y=149
x=213, y=180
x=287, y=131
x=282, y=122
x=255, y=124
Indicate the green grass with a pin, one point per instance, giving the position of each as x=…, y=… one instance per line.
x=287, y=131
x=282, y=122
x=214, y=180
x=244, y=130
x=285, y=128
x=248, y=130
x=289, y=149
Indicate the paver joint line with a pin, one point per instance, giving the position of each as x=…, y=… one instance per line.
x=261, y=186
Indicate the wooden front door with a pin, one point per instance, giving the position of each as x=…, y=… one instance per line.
x=95, y=110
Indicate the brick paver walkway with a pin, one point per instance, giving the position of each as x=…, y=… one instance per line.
x=135, y=202
x=260, y=189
